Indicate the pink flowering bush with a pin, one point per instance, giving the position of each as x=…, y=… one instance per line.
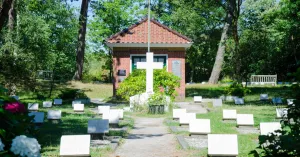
x=14, y=121
x=14, y=107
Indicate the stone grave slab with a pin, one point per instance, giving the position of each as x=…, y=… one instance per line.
x=199, y=126
x=38, y=117
x=277, y=100
x=239, y=101
x=114, y=116
x=78, y=107
x=197, y=98
x=54, y=114
x=178, y=112
x=222, y=145
x=57, y=102
x=98, y=126
x=269, y=127
x=264, y=97
x=75, y=145
x=217, y=102
x=121, y=113
x=281, y=112
x=47, y=104
x=244, y=120
x=229, y=114
x=33, y=106
x=186, y=118
x=16, y=97
x=76, y=102
x=103, y=109
x=290, y=101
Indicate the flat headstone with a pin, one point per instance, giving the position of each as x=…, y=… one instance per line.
x=217, y=102
x=281, y=112
x=16, y=97
x=244, y=119
x=38, y=116
x=121, y=113
x=199, y=126
x=229, y=114
x=76, y=102
x=186, y=118
x=57, y=101
x=114, y=116
x=98, y=126
x=239, y=101
x=78, y=107
x=33, y=106
x=290, y=101
x=47, y=104
x=269, y=127
x=277, y=100
x=178, y=112
x=75, y=145
x=127, y=108
x=54, y=114
x=103, y=109
x=264, y=97
x=222, y=145
x=197, y=98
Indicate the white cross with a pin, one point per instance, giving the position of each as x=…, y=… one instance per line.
x=149, y=65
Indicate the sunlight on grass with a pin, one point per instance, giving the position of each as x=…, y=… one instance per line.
x=94, y=90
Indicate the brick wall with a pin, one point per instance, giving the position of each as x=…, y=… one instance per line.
x=121, y=60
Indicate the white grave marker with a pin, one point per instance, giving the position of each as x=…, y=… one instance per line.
x=75, y=145
x=239, y=101
x=54, y=114
x=199, y=126
x=229, y=114
x=264, y=97
x=217, y=102
x=268, y=128
x=186, y=118
x=290, y=101
x=76, y=102
x=281, y=112
x=47, y=104
x=98, y=126
x=197, y=98
x=149, y=65
x=244, y=119
x=79, y=107
x=103, y=109
x=113, y=117
x=178, y=112
x=277, y=101
x=33, y=106
x=222, y=145
x=57, y=101
x=38, y=116
x=121, y=113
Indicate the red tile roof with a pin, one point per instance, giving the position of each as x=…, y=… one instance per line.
x=138, y=33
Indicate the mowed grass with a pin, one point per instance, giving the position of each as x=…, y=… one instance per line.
x=72, y=123
x=94, y=90
x=262, y=112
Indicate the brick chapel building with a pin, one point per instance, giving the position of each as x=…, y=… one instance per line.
x=129, y=46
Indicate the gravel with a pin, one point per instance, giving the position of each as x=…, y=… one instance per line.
x=196, y=142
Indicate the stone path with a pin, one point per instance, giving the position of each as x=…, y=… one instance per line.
x=149, y=138
x=192, y=107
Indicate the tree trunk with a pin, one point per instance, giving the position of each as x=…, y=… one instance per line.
x=5, y=7
x=215, y=74
x=81, y=40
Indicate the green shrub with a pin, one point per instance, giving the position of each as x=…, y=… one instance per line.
x=226, y=79
x=236, y=89
x=135, y=83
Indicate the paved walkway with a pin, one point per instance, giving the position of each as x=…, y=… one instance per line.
x=149, y=138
